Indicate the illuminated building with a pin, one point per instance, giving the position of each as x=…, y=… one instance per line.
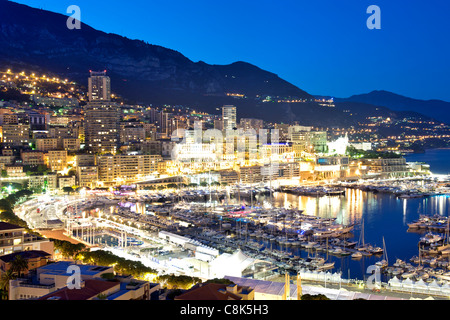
x=338, y=146
x=251, y=123
x=365, y=146
x=32, y=158
x=125, y=168
x=102, y=129
x=331, y=167
x=132, y=133
x=393, y=167
x=51, y=284
x=309, y=141
x=37, y=182
x=102, y=117
x=66, y=181
x=151, y=147
x=57, y=159
x=283, y=129
x=71, y=144
x=228, y=177
x=46, y=144
x=62, y=132
x=99, y=86
x=16, y=239
x=229, y=117
x=250, y=174
x=87, y=176
x=15, y=171
x=16, y=134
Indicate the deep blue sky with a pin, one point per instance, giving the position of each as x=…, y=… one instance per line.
x=322, y=46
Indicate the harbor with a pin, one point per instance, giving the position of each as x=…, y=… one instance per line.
x=335, y=235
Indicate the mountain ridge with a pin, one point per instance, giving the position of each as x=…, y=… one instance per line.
x=41, y=38
x=434, y=108
x=151, y=74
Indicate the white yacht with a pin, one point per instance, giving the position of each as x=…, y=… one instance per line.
x=430, y=238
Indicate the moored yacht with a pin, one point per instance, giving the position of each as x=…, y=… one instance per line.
x=430, y=238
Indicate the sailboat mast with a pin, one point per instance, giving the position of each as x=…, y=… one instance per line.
x=363, y=244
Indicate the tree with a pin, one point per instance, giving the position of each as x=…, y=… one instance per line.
x=121, y=265
x=68, y=190
x=4, y=283
x=107, y=276
x=314, y=297
x=68, y=249
x=220, y=281
x=172, y=281
x=174, y=293
x=19, y=264
x=102, y=296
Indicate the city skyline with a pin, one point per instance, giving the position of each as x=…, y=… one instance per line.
x=322, y=48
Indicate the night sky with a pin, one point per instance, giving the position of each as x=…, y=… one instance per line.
x=321, y=46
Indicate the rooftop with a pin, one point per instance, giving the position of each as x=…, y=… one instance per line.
x=61, y=268
x=4, y=226
x=208, y=291
x=31, y=254
x=91, y=289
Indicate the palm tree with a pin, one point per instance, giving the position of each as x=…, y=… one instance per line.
x=18, y=265
x=4, y=283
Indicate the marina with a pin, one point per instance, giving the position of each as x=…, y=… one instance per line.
x=344, y=232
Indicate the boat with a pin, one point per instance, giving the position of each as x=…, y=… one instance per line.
x=357, y=255
x=349, y=244
x=336, y=251
x=409, y=274
x=314, y=262
x=384, y=262
x=430, y=238
x=362, y=247
x=414, y=225
x=399, y=263
x=397, y=271
x=310, y=244
x=325, y=266
x=375, y=250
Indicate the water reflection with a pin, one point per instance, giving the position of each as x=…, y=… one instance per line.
x=384, y=215
x=351, y=207
x=345, y=209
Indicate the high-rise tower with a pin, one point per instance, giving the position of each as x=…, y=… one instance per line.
x=99, y=86
x=229, y=117
x=101, y=116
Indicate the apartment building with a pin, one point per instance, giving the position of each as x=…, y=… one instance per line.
x=16, y=134
x=46, y=144
x=57, y=159
x=32, y=158
x=13, y=238
x=87, y=176
x=49, y=282
x=124, y=168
